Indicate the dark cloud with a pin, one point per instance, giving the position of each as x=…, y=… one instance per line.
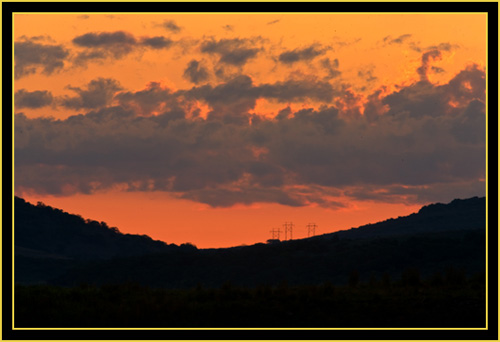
x=403, y=194
x=99, y=93
x=339, y=44
x=171, y=26
x=29, y=56
x=247, y=196
x=426, y=59
x=104, y=39
x=32, y=99
x=469, y=126
x=231, y=101
x=418, y=142
x=158, y=42
x=273, y=22
x=82, y=58
x=283, y=114
x=441, y=46
x=40, y=38
x=118, y=44
x=235, y=52
x=367, y=75
x=332, y=67
x=426, y=100
x=305, y=54
x=228, y=27
x=468, y=84
x=398, y=40
x=298, y=90
x=437, y=70
x=153, y=98
x=195, y=72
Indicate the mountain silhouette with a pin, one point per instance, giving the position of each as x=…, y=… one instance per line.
x=48, y=241
x=43, y=231
x=58, y=248
x=468, y=214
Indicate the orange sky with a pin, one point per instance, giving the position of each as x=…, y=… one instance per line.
x=349, y=62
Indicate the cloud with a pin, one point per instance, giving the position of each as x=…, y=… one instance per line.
x=339, y=44
x=367, y=75
x=419, y=141
x=398, y=40
x=153, y=98
x=158, y=42
x=422, y=194
x=33, y=99
x=437, y=70
x=273, y=22
x=332, y=67
x=171, y=26
x=231, y=101
x=99, y=93
x=242, y=87
x=441, y=46
x=120, y=39
x=103, y=45
x=30, y=56
x=83, y=57
x=118, y=44
x=424, y=99
x=298, y=90
x=195, y=72
x=469, y=125
x=305, y=54
x=246, y=196
x=426, y=59
x=234, y=52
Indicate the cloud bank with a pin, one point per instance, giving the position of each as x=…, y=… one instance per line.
x=420, y=142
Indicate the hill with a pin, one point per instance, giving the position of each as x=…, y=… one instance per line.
x=460, y=214
x=63, y=249
x=49, y=241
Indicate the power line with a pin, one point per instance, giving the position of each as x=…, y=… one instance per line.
x=276, y=233
x=311, y=227
x=288, y=227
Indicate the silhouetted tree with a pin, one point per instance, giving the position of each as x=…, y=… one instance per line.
x=354, y=279
x=454, y=277
x=410, y=277
x=386, y=280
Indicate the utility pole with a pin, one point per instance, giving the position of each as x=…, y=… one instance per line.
x=288, y=227
x=276, y=233
x=311, y=227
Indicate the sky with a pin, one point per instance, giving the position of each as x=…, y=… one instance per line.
x=215, y=129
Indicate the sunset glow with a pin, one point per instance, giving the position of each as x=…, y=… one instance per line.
x=215, y=128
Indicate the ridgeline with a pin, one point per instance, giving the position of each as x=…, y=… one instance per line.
x=54, y=247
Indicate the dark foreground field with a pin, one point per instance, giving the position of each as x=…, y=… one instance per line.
x=448, y=300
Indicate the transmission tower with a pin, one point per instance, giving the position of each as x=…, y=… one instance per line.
x=311, y=227
x=276, y=233
x=288, y=227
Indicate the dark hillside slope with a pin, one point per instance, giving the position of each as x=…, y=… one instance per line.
x=417, y=242
x=466, y=214
x=43, y=231
x=294, y=262
x=49, y=241
x=58, y=248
